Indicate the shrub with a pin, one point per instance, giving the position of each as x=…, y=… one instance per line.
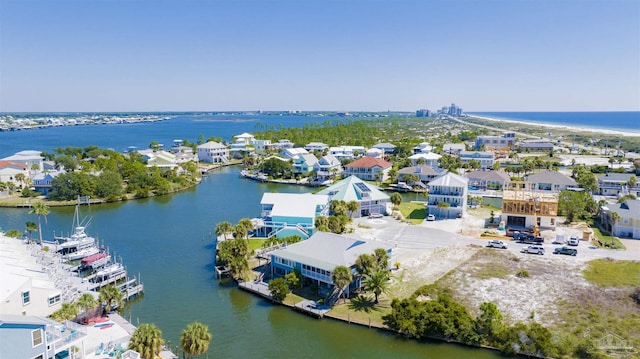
x=279, y=289
x=635, y=295
x=522, y=274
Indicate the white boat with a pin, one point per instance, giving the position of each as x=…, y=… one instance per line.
x=108, y=272
x=78, y=240
x=89, y=251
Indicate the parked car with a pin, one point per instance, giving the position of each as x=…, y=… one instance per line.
x=573, y=241
x=496, y=244
x=527, y=238
x=431, y=217
x=533, y=250
x=565, y=250
x=375, y=215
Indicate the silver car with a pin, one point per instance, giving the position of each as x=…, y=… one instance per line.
x=533, y=250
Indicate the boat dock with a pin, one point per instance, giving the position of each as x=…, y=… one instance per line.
x=312, y=308
x=260, y=288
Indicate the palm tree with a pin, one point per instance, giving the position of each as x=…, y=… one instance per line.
x=67, y=311
x=40, y=209
x=111, y=296
x=31, y=227
x=382, y=258
x=195, y=339
x=614, y=217
x=223, y=228
x=20, y=177
x=377, y=282
x=352, y=207
x=86, y=302
x=246, y=225
x=341, y=277
x=396, y=199
x=147, y=340
x=365, y=264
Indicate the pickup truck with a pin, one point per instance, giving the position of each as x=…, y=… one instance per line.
x=527, y=238
x=565, y=250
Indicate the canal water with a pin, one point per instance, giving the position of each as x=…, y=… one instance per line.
x=168, y=240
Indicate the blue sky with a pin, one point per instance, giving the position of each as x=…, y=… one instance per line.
x=500, y=55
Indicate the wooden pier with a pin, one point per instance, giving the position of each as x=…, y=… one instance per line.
x=259, y=288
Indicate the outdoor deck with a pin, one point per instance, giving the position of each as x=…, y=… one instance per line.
x=260, y=288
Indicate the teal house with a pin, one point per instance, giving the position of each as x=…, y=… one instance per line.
x=287, y=214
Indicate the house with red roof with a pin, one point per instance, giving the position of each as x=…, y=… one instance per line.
x=368, y=169
x=9, y=170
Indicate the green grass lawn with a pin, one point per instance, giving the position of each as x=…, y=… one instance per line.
x=413, y=211
x=361, y=309
x=605, y=240
x=613, y=273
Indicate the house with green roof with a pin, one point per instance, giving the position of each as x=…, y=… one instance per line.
x=318, y=256
x=369, y=197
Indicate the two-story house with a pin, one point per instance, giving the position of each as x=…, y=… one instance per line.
x=487, y=180
x=485, y=158
x=368, y=169
x=213, y=152
x=327, y=167
x=304, y=163
x=628, y=222
x=286, y=214
x=550, y=181
x=618, y=184
x=447, y=196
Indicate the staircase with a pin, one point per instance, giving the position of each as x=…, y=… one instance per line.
x=333, y=296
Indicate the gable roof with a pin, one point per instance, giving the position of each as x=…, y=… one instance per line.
x=629, y=208
x=212, y=145
x=369, y=162
x=294, y=204
x=494, y=176
x=450, y=180
x=421, y=170
x=615, y=177
x=551, y=177
x=329, y=160
x=309, y=158
x=327, y=250
x=384, y=145
x=425, y=155
x=349, y=189
x=4, y=164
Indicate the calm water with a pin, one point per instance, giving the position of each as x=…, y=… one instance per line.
x=168, y=241
x=622, y=120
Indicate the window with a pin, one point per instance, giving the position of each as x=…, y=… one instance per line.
x=36, y=337
x=53, y=299
x=26, y=299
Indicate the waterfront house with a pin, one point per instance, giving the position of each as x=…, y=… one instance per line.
x=374, y=152
x=617, y=184
x=423, y=147
x=25, y=336
x=213, y=152
x=447, y=196
x=453, y=149
x=485, y=158
x=242, y=145
x=286, y=214
x=261, y=146
x=316, y=146
x=318, y=256
x=428, y=158
x=9, y=170
x=282, y=145
x=522, y=208
x=424, y=173
x=386, y=147
x=487, y=180
x=159, y=158
x=43, y=180
x=370, y=199
x=628, y=223
x=32, y=159
x=327, y=167
x=304, y=163
x=243, y=139
x=348, y=152
x=293, y=152
x=505, y=142
x=535, y=146
x=368, y=169
x=550, y=181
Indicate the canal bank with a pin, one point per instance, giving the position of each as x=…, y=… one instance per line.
x=170, y=240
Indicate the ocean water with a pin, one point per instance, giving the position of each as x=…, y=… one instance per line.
x=627, y=121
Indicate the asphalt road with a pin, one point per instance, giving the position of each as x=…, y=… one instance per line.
x=430, y=235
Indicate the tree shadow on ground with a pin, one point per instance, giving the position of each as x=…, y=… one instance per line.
x=363, y=303
x=418, y=214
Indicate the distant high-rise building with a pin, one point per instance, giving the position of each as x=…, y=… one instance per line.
x=423, y=113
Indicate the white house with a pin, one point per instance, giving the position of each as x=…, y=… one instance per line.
x=287, y=214
x=430, y=159
x=316, y=146
x=617, y=184
x=485, y=158
x=28, y=157
x=213, y=152
x=628, y=223
x=374, y=152
x=447, y=196
x=293, y=152
x=327, y=166
x=347, y=151
x=9, y=170
x=423, y=147
x=368, y=169
x=370, y=199
x=453, y=149
x=550, y=181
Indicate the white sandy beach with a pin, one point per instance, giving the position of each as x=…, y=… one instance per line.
x=562, y=127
